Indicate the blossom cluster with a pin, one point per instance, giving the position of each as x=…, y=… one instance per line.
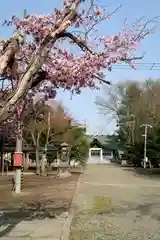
x=66, y=69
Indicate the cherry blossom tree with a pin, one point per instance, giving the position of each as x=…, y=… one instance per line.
x=34, y=57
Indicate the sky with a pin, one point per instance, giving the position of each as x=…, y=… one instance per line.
x=83, y=107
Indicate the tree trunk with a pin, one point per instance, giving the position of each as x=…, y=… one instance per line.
x=11, y=47
x=37, y=161
x=19, y=139
x=35, y=65
x=28, y=78
x=7, y=169
x=26, y=161
x=43, y=164
x=10, y=51
x=2, y=163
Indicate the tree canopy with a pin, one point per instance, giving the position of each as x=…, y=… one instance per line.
x=34, y=60
x=133, y=104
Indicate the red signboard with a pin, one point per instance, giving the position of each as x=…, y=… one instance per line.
x=18, y=159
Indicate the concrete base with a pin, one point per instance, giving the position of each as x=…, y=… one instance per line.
x=124, y=162
x=64, y=174
x=107, y=162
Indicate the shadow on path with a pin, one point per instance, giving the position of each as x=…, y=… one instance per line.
x=10, y=216
x=142, y=209
x=150, y=173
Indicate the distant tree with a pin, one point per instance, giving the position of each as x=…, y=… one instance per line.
x=45, y=124
x=133, y=104
x=78, y=144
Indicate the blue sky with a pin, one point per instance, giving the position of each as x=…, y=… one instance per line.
x=83, y=107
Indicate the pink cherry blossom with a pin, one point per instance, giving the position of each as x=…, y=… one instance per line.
x=63, y=68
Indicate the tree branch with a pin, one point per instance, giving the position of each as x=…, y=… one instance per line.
x=49, y=128
x=37, y=61
x=33, y=137
x=81, y=43
x=101, y=20
x=38, y=78
x=102, y=80
x=10, y=48
x=26, y=80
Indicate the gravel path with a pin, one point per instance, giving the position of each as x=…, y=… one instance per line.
x=116, y=204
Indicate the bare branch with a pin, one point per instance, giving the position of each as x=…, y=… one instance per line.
x=81, y=43
x=2, y=78
x=145, y=31
x=102, y=19
x=102, y=80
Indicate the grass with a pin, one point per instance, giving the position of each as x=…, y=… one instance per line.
x=88, y=224
x=102, y=205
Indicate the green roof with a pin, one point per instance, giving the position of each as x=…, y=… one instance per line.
x=105, y=140
x=101, y=138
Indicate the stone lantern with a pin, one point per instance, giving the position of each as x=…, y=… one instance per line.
x=64, y=161
x=64, y=152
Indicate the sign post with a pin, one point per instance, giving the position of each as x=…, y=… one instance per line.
x=18, y=161
x=22, y=177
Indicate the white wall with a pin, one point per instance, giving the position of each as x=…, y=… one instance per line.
x=100, y=158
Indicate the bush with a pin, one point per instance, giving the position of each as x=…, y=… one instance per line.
x=79, y=152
